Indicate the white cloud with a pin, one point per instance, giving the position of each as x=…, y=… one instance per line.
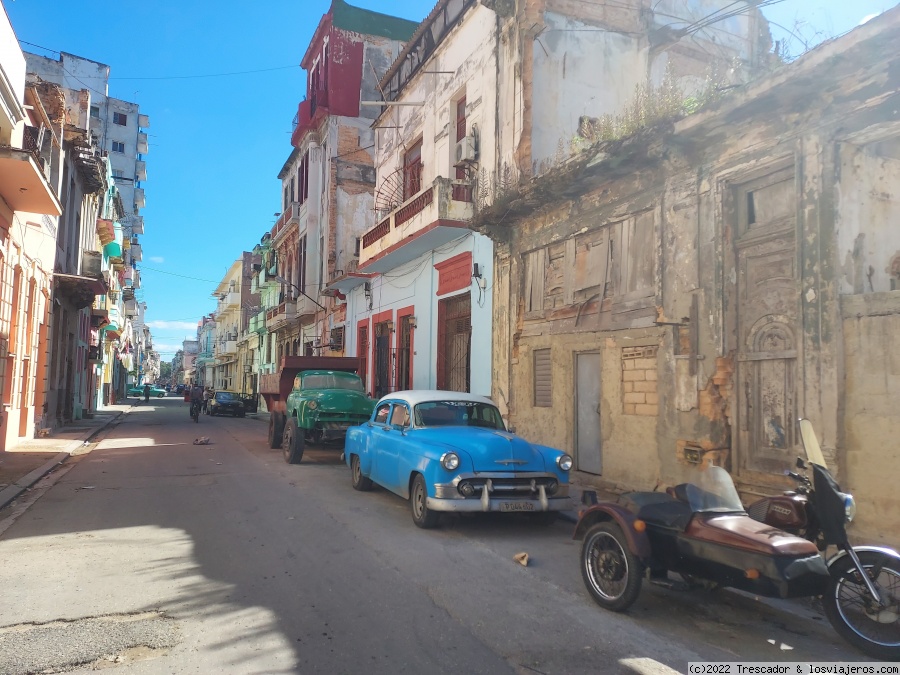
x=157, y=259
x=173, y=325
x=867, y=18
x=166, y=349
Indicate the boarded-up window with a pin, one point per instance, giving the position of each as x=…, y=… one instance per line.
x=535, y=269
x=543, y=390
x=634, y=257
x=591, y=259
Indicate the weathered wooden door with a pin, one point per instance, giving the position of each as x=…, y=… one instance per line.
x=588, y=456
x=768, y=325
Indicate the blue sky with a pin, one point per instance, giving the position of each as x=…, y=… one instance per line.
x=217, y=142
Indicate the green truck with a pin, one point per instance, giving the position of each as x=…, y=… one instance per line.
x=313, y=399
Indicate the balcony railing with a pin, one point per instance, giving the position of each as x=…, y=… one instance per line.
x=280, y=315
x=290, y=217
x=445, y=199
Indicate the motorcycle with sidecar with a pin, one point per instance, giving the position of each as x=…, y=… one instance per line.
x=787, y=546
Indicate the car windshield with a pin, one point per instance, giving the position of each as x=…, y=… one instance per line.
x=458, y=413
x=226, y=396
x=330, y=381
x=711, y=490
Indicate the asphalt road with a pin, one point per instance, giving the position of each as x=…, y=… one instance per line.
x=153, y=555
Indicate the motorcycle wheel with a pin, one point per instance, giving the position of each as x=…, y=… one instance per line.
x=851, y=612
x=611, y=572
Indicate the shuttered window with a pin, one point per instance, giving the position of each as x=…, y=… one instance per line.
x=543, y=394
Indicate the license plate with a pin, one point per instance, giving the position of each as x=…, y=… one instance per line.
x=516, y=506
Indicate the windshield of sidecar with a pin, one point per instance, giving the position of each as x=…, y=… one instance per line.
x=711, y=490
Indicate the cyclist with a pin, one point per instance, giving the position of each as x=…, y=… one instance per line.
x=196, y=398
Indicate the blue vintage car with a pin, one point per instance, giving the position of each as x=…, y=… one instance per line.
x=450, y=451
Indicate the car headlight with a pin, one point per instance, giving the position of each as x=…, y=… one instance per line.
x=849, y=508
x=565, y=462
x=313, y=405
x=450, y=461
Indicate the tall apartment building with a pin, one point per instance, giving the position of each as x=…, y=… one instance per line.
x=118, y=126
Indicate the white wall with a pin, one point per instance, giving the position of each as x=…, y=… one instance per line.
x=415, y=284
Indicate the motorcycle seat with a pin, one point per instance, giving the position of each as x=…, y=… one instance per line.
x=659, y=508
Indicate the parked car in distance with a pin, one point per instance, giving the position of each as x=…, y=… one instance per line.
x=322, y=406
x=448, y=451
x=154, y=391
x=226, y=403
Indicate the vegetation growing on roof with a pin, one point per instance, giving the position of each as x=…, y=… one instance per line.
x=652, y=106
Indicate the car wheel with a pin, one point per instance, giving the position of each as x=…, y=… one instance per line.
x=241, y=414
x=292, y=442
x=358, y=481
x=276, y=429
x=418, y=496
x=160, y=395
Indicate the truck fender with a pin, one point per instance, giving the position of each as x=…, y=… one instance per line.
x=638, y=542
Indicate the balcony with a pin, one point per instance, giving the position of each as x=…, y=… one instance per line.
x=143, y=121
x=308, y=114
x=140, y=200
x=140, y=170
x=258, y=322
x=281, y=315
x=229, y=300
x=291, y=216
x=23, y=184
x=136, y=251
x=435, y=216
x=142, y=146
x=226, y=348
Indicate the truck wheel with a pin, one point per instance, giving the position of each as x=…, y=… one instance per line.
x=276, y=429
x=292, y=442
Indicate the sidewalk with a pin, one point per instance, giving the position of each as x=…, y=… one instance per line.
x=25, y=464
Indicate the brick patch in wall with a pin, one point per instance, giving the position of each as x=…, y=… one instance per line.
x=639, y=377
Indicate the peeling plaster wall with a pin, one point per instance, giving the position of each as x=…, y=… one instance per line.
x=589, y=58
x=869, y=211
x=872, y=426
x=468, y=52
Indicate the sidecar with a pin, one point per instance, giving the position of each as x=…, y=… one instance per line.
x=699, y=530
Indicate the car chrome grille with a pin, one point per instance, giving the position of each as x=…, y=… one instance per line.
x=507, y=487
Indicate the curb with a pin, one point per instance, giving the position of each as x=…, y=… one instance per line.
x=12, y=492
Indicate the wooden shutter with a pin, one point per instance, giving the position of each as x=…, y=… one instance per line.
x=543, y=391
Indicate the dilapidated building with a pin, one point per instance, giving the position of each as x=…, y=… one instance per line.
x=694, y=287
x=486, y=91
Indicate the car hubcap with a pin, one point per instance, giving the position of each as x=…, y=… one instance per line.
x=419, y=501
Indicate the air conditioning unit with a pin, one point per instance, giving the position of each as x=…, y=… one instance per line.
x=465, y=151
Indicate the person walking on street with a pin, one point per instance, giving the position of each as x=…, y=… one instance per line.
x=147, y=392
x=207, y=395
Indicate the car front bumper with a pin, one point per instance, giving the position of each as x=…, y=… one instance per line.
x=448, y=498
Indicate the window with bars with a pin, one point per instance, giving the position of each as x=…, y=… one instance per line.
x=337, y=339
x=543, y=389
x=454, y=343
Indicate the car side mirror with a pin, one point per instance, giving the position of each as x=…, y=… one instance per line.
x=511, y=430
x=800, y=463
